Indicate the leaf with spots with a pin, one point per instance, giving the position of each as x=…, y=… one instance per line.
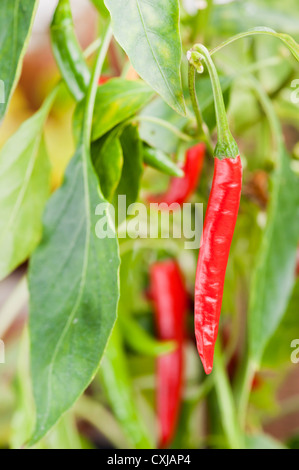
x=148, y=31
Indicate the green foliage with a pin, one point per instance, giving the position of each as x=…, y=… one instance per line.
x=149, y=34
x=13, y=43
x=133, y=165
x=107, y=156
x=116, y=101
x=25, y=187
x=91, y=310
x=73, y=297
x=273, y=278
x=116, y=381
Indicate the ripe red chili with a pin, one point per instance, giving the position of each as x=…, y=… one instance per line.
x=220, y=221
x=169, y=297
x=217, y=235
x=180, y=189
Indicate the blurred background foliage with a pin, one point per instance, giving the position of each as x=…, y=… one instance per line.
x=274, y=402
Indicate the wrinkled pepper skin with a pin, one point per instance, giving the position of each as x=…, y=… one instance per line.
x=180, y=189
x=219, y=225
x=169, y=297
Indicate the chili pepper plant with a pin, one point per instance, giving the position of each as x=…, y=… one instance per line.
x=113, y=333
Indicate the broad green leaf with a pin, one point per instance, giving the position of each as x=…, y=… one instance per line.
x=15, y=24
x=116, y=101
x=107, y=157
x=24, y=190
x=278, y=351
x=74, y=293
x=149, y=34
x=273, y=278
x=133, y=165
x=116, y=381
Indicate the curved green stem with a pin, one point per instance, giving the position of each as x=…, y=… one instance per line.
x=203, y=133
x=290, y=43
x=243, y=388
x=226, y=146
x=226, y=402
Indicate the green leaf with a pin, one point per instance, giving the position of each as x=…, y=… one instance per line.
x=278, y=350
x=99, y=4
x=133, y=165
x=107, y=157
x=74, y=293
x=154, y=134
x=24, y=190
x=149, y=34
x=15, y=24
x=235, y=17
x=116, y=101
x=165, y=140
x=118, y=387
x=273, y=278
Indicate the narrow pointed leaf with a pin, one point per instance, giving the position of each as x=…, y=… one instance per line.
x=133, y=165
x=107, y=157
x=273, y=279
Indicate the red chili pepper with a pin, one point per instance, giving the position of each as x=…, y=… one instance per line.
x=220, y=221
x=217, y=235
x=180, y=189
x=103, y=79
x=297, y=264
x=170, y=304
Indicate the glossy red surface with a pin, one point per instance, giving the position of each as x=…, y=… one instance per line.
x=180, y=189
x=170, y=304
x=219, y=226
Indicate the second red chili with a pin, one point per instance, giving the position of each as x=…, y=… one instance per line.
x=170, y=304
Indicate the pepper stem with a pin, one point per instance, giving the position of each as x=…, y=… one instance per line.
x=226, y=146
